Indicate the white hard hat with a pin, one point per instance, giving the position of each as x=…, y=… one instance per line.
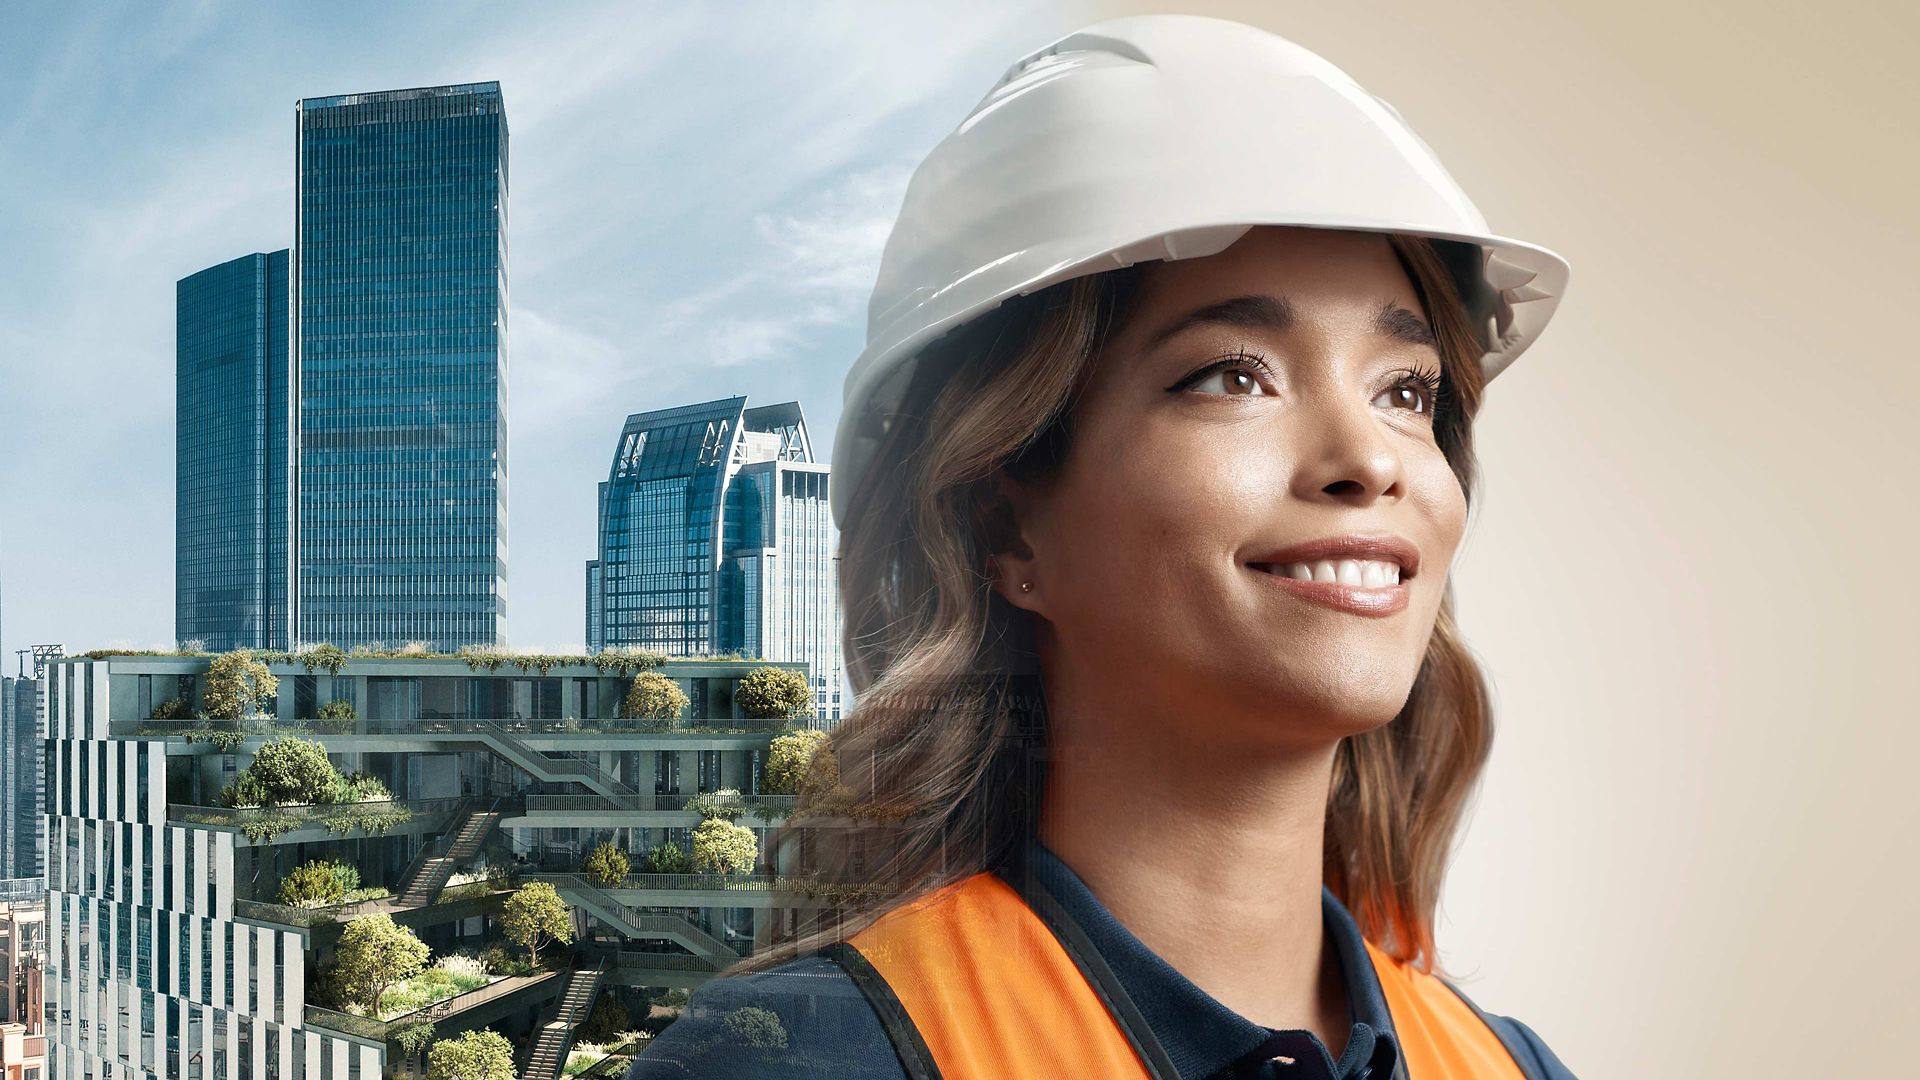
x=1159, y=137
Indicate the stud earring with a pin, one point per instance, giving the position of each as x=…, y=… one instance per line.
x=1026, y=586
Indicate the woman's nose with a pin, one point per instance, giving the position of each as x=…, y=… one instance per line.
x=1343, y=449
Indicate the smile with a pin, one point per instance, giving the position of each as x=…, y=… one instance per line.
x=1366, y=573
x=1358, y=586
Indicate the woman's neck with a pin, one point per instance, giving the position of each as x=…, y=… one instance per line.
x=1210, y=855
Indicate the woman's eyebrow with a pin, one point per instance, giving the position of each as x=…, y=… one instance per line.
x=1255, y=312
x=1398, y=323
x=1266, y=312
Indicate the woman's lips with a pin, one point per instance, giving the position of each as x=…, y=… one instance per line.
x=1355, y=599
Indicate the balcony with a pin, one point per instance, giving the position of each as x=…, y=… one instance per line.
x=660, y=882
x=265, y=727
x=318, y=821
x=449, y=907
x=379, y=1031
x=768, y=808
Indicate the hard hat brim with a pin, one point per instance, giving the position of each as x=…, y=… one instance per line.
x=1510, y=302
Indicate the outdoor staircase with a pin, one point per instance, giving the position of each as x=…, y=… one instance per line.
x=460, y=843
x=639, y=924
x=558, y=770
x=554, y=1039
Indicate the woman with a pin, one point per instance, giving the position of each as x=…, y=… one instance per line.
x=1149, y=480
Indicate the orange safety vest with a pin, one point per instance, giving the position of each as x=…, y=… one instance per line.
x=971, y=982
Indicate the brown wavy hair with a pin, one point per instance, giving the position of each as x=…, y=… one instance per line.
x=941, y=764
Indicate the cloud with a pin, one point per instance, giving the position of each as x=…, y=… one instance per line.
x=556, y=368
x=748, y=339
x=833, y=245
x=813, y=268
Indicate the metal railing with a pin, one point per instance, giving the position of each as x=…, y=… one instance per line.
x=765, y=807
x=304, y=814
x=638, y=923
x=646, y=961
x=305, y=917
x=615, y=1063
x=269, y=726
x=441, y=850
x=366, y=1027
x=580, y=770
x=547, y=1056
x=428, y=851
x=679, y=882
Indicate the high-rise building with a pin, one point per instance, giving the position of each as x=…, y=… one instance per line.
x=400, y=329
x=23, y=828
x=232, y=418
x=715, y=536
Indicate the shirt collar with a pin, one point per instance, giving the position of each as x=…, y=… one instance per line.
x=1199, y=1034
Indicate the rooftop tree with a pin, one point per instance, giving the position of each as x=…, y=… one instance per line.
x=288, y=769
x=771, y=693
x=374, y=953
x=668, y=858
x=472, y=1055
x=318, y=883
x=238, y=685
x=721, y=847
x=799, y=762
x=653, y=696
x=536, y=915
x=606, y=865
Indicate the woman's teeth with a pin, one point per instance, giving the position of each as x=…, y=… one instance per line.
x=1364, y=573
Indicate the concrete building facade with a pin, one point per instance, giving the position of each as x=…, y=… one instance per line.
x=172, y=955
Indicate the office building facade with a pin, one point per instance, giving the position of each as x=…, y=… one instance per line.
x=399, y=281
x=715, y=536
x=342, y=421
x=233, y=416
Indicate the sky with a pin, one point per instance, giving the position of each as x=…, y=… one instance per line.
x=699, y=197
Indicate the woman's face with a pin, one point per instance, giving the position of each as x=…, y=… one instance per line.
x=1254, y=400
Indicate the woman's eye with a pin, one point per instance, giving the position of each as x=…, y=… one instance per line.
x=1407, y=395
x=1415, y=393
x=1230, y=380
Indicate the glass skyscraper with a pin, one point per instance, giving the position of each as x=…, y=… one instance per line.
x=23, y=827
x=715, y=536
x=400, y=305
x=232, y=416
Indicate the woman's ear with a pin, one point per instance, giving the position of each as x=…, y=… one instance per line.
x=1012, y=565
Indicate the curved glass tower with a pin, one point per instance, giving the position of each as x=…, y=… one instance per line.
x=716, y=536
x=400, y=301
x=231, y=417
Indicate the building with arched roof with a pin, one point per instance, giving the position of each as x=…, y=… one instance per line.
x=716, y=536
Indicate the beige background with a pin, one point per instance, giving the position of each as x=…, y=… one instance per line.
x=1691, y=567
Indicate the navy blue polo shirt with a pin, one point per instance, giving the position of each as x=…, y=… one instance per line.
x=832, y=1031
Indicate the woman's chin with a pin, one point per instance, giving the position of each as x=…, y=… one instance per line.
x=1316, y=710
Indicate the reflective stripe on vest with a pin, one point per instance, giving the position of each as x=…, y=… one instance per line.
x=970, y=982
